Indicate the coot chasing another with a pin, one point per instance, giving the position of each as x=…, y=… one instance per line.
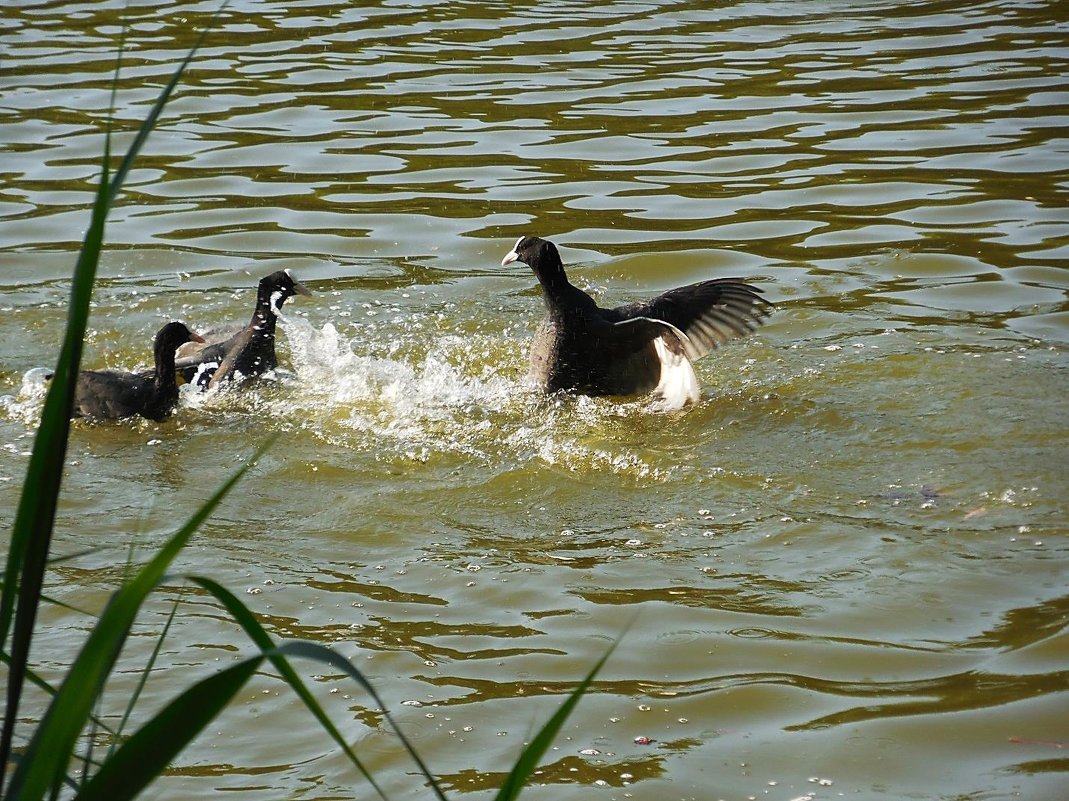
x=634, y=349
x=247, y=351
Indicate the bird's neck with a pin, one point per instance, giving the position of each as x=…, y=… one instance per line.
x=559, y=294
x=555, y=286
x=264, y=317
x=164, y=375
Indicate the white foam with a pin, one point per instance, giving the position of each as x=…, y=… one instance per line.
x=26, y=405
x=452, y=395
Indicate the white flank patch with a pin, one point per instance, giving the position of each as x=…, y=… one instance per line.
x=679, y=384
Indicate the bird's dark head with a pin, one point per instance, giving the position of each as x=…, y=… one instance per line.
x=540, y=255
x=279, y=287
x=172, y=336
x=532, y=251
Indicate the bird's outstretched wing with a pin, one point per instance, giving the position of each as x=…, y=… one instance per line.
x=709, y=313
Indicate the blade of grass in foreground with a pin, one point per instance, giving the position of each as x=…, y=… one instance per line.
x=146, y=754
x=315, y=651
x=31, y=535
x=143, y=678
x=151, y=748
x=536, y=749
x=243, y=615
x=53, y=741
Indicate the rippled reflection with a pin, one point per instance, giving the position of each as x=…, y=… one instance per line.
x=847, y=559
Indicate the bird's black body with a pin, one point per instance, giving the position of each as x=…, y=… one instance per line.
x=637, y=348
x=113, y=395
x=248, y=350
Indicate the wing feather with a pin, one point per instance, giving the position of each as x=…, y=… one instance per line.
x=708, y=314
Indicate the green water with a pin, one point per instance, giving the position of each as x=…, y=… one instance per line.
x=841, y=575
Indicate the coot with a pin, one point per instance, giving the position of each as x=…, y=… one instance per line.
x=247, y=350
x=112, y=395
x=634, y=349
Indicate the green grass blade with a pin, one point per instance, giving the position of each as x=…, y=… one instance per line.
x=53, y=741
x=151, y=748
x=313, y=650
x=32, y=532
x=143, y=678
x=532, y=755
x=245, y=618
x=31, y=535
x=48, y=689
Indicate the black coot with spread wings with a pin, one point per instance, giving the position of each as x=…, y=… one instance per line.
x=247, y=350
x=639, y=348
x=113, y=395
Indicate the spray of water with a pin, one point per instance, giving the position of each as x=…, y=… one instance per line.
x=421, y=395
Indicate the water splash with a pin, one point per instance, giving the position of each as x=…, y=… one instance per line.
x=25, y=407
x=422, y=397
x=448, y=394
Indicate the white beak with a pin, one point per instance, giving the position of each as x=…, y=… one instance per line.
x=512, y=254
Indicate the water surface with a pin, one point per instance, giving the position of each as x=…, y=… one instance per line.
x=840, y=575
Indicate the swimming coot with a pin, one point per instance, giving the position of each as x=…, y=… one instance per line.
x=634, y=349
x=112, y=395
x=247, y=350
